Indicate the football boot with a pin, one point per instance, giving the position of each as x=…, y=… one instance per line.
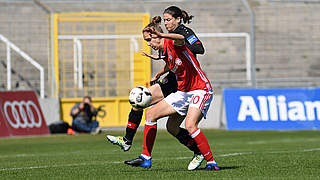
x=212, y=167
x=118, y=140
x=195, y=162
x=139, y=162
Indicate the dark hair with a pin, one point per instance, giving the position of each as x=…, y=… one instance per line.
x=87, y=97
x=155, y=23
x=176, y=12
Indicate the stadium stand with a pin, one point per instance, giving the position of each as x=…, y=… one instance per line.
x=287, y=38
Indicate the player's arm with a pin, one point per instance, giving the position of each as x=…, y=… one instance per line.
x=197, y=48
x=154, y=57
x=178, y=38
x=193, y=42
x=161, y=72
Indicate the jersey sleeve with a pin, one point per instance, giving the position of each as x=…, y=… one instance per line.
x=192, y=41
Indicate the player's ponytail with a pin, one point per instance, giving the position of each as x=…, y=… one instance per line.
x=186, y=18
x=156, y=20
x=155, y=23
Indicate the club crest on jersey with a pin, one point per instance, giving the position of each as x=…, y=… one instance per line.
x=170, y=57
x=177, y=63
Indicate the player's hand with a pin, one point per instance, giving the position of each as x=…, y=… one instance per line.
x=81, y=106
x=154, y=79
x=154, y=32
x=155, y=57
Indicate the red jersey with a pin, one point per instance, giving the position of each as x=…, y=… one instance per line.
x=182, y=62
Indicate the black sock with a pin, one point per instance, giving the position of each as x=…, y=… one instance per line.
x=133, y=124
x=184, y=138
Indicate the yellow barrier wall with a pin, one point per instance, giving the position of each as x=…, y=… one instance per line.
x=117, y=110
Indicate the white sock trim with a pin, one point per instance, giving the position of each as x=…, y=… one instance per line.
x=150, y=123
x=196, y=133
x=212, y=162
x=146, y=157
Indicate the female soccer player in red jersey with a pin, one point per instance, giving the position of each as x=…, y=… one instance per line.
x=173, y=18
x=191, y=101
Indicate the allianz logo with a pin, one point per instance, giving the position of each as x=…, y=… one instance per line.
x=277, y=108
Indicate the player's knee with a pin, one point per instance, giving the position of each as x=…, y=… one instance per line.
x=151, y=115
x=191, y=127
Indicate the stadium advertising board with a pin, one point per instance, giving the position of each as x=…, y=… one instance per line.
x=272, y=109
x=21, y=115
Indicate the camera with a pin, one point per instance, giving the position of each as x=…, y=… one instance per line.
x=87, y=108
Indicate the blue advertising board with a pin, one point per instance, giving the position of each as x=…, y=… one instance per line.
x=272, y=109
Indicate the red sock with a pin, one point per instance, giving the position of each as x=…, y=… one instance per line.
x=149, y=136
x=203, y=145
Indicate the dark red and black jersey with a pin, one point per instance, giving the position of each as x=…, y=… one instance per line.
x=192, y=41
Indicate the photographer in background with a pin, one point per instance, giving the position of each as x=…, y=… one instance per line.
x=82, y=114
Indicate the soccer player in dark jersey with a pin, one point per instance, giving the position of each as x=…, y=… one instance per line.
x=173, y=19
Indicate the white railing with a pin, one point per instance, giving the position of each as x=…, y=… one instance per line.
x=134, y=47
x=77, y=55
x=249, y=62
x=10, y=46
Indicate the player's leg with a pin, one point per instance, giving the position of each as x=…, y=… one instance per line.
x=134, y=121
x=161, y=89
x=183, y=136
x=156, y=112
x=169, y=85
x=173, y=127
x=197, y=109
x=135, y=115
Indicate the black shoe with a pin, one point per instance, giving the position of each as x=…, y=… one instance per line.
x=139, y=162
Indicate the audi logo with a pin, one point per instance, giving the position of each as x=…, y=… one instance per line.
x=22, y=114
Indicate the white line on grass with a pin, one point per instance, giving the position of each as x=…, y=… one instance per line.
x=285, y=140
x=119, y=162
x=48, y=154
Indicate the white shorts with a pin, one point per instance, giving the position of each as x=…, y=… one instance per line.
x=181, y=101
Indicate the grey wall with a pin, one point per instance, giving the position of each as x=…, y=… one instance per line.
x=287, y=37
x=50, y=109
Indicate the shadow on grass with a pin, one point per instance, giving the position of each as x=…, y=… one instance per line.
x=154, y=170
x=175, y=169
x=229, y=167
x=222, y=168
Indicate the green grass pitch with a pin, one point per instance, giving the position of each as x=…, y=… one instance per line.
x=240, y=154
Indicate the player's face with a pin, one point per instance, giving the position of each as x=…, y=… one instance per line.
x=170, y=22
x=152, y=40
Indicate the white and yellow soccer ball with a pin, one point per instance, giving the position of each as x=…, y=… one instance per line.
x=140, y=97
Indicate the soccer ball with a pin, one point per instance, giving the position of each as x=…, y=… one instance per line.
x=140, y=97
